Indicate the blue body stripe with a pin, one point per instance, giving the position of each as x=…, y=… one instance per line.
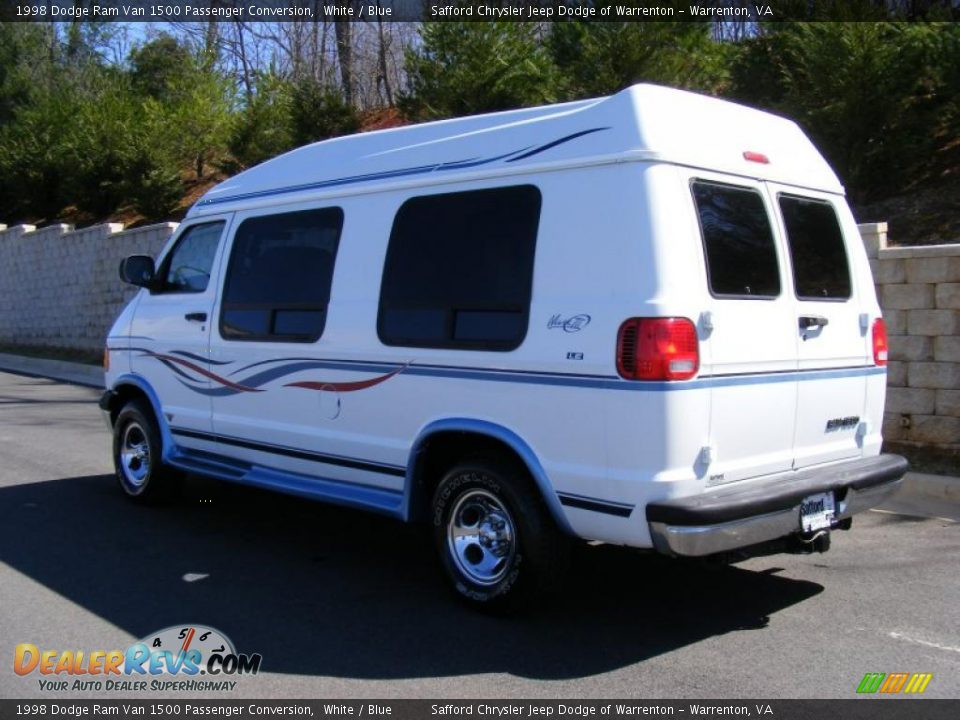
x=604, y=382
x=595, y=382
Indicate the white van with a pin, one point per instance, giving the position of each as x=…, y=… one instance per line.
x=646, y=319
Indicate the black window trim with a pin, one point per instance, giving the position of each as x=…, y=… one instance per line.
x=299, y=339
x=786, y=238
x=164, y=266
x=483, y=345
x=703, y=244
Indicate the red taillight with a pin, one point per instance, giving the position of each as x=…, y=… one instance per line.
x=880, y=347
x=658, y=349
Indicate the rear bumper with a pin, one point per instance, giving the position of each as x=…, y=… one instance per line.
x=739, y=516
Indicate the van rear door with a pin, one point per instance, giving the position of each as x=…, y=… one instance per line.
x=831, y=325
x=748, y=330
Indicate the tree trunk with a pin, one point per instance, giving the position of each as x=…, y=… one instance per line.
x=345, y=55
x=382, y=57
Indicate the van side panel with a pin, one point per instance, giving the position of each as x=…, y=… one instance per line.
x=350, y=396
x=655, y=430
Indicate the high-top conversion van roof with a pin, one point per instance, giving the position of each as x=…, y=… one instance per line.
x=645, y=319
x=642, y=123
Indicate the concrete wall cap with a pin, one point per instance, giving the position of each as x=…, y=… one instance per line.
x=921, y=251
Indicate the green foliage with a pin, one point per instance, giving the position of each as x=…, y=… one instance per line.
x=463, y=68
x=318, y=112
x=24, y=47
x=262, y=129
x=157, y=67
x=880, y=98
x=199, y=116
x=90, y=134
x=600, y=58
x=34, y=170
x=876, y=97
x=153, y=185
x=95, y=146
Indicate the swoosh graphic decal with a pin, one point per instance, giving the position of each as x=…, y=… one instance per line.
x=346, y=386
x=521, y=154
x=561, y=141
x=165, y=359
x=209, y=391
x=199, y=358
x=254, y=383
x=177, y=370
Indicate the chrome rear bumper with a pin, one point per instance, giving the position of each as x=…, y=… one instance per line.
x=735, y=517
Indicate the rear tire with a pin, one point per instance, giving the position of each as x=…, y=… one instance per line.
x=496, y=540
x=137, y=456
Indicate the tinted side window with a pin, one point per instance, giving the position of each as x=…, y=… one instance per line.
x=187, y=268
x=278, y=281
x=459, y=270
x=737, y=240
x=820, y=269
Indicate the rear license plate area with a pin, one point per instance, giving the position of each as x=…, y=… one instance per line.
x=817, y=512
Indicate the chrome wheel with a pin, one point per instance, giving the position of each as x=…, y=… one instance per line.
x=481, y=537
x=135, y=455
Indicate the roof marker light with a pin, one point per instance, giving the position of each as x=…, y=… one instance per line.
x=755, y=157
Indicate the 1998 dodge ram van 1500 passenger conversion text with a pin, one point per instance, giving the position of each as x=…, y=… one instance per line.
x=646, y=319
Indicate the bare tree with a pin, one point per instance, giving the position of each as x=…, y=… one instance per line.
x=344, y=33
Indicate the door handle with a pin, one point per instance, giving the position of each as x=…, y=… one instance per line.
x=812, y=321
x=196, y=317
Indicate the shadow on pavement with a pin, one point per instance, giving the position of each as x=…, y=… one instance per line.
x=319, y=590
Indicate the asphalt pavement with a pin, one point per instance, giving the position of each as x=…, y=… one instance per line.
x=345, y=604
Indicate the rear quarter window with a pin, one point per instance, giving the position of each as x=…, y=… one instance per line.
x=819, y=258
x=459, y=270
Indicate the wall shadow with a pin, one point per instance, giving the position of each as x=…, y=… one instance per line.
x=319, y=590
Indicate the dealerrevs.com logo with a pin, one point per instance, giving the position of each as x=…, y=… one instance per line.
x=179, y=658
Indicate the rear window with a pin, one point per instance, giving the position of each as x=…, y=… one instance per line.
x=459, y=270
x=737, y=241
x=278, y=281
x=817, y=252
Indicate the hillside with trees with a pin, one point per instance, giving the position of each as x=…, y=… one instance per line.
x=107, y=121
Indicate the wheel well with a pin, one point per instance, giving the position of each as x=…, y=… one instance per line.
x=122, y=394
x=441, y=451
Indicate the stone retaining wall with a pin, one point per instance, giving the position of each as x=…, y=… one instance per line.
x=919, y=291
x=59, y=287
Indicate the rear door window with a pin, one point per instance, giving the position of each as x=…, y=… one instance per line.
x=737, y=241
x=817, y=252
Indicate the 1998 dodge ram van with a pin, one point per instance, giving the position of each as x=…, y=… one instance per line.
x=646, y=319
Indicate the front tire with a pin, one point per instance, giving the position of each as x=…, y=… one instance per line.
x=495, y=537
x=137, y=455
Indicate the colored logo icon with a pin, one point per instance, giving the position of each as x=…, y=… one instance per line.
x=893, y=683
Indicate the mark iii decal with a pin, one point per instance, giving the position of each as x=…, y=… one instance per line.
x=572, y=324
